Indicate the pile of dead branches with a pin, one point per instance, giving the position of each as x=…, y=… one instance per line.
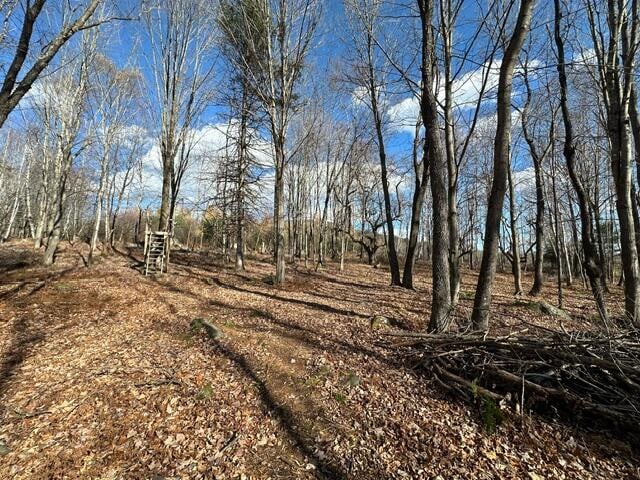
x=587, y=378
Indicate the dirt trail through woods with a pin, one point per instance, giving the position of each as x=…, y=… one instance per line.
x=101, y=376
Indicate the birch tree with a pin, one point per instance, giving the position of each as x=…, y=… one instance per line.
x=25, y=67
x=368, y=79
x=64, y=106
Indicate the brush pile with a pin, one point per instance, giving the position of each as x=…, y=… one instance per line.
x=586, y=378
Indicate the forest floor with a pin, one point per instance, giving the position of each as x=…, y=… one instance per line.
x=102, y=376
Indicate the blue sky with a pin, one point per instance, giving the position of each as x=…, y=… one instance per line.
x=125, y=43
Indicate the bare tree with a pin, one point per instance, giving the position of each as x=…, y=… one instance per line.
x=63, y=106
x=538, y=155
x=181, y=36
x=77, y=16
x=482, y=301
x=592, y=261
x=112, y=96
x=434, y=151
x=616, y=46
x=272, y=42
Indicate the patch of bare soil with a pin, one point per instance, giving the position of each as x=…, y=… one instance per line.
x=103, y=376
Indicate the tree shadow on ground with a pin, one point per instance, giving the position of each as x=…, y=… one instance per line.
x=23, y=340
x=24, y=337
x=345, y=283
x=318, y=306
x=319, y=340
x=312, y=338
x=307, y=335
x=285, y=416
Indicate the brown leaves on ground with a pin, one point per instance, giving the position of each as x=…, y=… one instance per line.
x=103, y=376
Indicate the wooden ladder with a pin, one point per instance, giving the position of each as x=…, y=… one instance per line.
x=156, y=244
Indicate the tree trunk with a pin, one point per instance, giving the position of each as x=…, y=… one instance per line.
x=482, y=301
x=592, y=263
x=416, y=211
x=53, y=238
x=621, y=167
x=394, y=266
x=556, y=222
x=435, y=158
x=98, y=212
x=515, y=244
x=278, y=221
x=165, y=204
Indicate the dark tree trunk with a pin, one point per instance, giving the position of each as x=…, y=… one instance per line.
x=482, y=301
x=410, y=258
x=165, y=202
x=538, y=275
x=537, y=158
x=592, y=262
x=419, y=193
x=515, y=244
x=435, y=157
x=394, y=265
x=279, y=214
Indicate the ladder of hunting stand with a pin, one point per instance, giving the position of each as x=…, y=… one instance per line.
x=156, y=246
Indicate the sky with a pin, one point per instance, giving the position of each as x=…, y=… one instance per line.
x=126, y=44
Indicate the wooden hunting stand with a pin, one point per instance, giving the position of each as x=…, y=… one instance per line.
x=156, y=252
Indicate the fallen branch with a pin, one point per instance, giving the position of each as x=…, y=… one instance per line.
x=156, y=383
x=584, y=378
x=23, y=415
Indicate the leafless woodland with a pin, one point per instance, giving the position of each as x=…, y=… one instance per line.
x=402, y=239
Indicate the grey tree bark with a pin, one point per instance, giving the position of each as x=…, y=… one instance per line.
x=435, y=158
x=482, y=301
x=515, y=242
x=592, y=263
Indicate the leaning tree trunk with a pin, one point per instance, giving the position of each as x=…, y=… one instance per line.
x=394, y=265
x=482, y=301
x=58, y=210
x=537, y=159
x=592, y=262
x=416, y=211
x=412, y=246
x=538, y=275
x=419, y=193
x=98, y=212
x=621, y=167
x=556, y=224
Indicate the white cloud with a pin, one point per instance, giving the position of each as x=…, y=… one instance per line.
x=525, y=181
x=404, y=114
x=208, y=144
x=466, y=91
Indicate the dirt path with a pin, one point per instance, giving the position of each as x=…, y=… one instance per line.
x=103, y=377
